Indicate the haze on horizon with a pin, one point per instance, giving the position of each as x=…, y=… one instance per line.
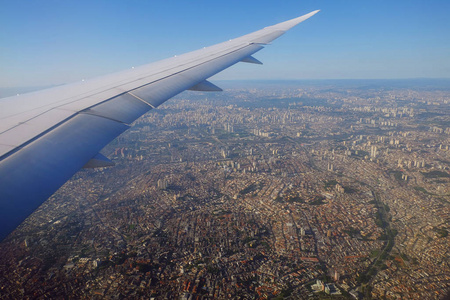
x=51, y=42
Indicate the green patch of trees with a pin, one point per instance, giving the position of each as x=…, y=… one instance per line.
x=435, y=174
x=442, y=232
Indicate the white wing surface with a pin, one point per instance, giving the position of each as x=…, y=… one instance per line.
x=47, y=136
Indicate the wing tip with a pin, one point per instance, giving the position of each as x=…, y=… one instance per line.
x=308, y=15
x=285, y=26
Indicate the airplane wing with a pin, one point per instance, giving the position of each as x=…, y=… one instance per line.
x=47, y=136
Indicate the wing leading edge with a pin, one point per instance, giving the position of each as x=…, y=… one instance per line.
x=47, y=136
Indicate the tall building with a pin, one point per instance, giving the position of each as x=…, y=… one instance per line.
x=162, y=183
x=336, y=275
x=373, y=151
x=330, y=167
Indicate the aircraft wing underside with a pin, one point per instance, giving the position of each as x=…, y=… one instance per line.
x=47, y=136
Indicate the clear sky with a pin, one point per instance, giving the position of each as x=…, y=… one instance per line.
x=50, y=42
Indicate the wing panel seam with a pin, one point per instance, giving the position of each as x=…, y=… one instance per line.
x=91, y=113
x=140, y=99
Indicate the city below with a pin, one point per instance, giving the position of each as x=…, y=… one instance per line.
x=268, y=190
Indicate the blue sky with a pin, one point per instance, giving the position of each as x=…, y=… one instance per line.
x=50, y=42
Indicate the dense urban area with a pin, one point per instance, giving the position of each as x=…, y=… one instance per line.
x=269, y=190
